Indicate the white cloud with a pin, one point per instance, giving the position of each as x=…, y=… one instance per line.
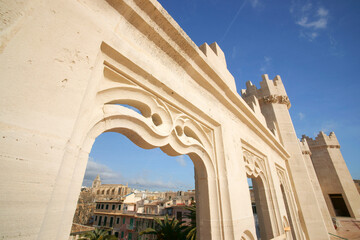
x=301, y=115
x=306, y=7
x=255, y=3
x=266, y=64
x=311, y=19
x=309, y=35
x=107, y=175
x=181, y=160
x=322, y=12
x=315, y=24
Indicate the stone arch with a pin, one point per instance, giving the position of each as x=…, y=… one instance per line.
x=290, y=206
x=202, y=162
x=155, y=123
x=255, y=168
x=159, y=124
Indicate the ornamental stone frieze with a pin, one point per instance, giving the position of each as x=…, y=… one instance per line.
x=281, y=99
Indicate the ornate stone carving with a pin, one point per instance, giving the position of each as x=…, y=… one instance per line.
x=281, y=99
x=254, y=165
x=121, y=95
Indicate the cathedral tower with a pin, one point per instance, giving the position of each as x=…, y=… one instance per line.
x=97, y=182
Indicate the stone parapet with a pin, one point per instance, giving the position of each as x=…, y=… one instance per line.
x=322, y=140
x=270, y=91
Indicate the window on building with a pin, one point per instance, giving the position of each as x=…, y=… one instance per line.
x=116, y=234
x=95, y=218
x=117, y=220
x=99, y=223
x=105, y=219
x=102, y=206
x=130, y=236
x=131, y=222
x=113, y=207
x=339, y=205
x=111, y=222
x=122, y=234
x=119, y=207
x=107, y=206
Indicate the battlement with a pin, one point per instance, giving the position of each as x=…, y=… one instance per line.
x=214, y=52
x=217, y=61
x=270, y=91
x=267, y=87
x=304, y=146
x=322, y=140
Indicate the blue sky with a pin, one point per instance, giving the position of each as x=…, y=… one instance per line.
x=313, y=45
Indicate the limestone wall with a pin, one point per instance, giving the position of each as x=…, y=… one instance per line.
x=65, y=68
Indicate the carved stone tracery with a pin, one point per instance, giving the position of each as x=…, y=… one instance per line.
x=120, y=95
x=254, y=165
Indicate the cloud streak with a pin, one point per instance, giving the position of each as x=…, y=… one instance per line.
x=254, y=4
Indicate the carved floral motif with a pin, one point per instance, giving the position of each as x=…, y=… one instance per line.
x=281, y=99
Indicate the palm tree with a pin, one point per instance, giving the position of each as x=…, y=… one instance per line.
x=98, y=234
x=168, y=229
x=191, y=229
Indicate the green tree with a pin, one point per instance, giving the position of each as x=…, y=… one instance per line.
x=167, y=229
x=191, y=229
x=98, y=234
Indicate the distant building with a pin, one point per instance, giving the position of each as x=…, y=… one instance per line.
x=108, y=191
x=121, y=216
x=133, y=213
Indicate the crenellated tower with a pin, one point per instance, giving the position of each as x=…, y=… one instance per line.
x=274, y=105
x=337, y=185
